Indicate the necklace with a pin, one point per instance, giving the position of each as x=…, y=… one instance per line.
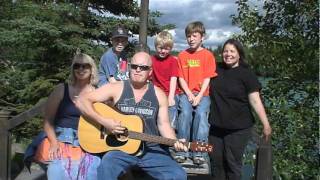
x=76, y=91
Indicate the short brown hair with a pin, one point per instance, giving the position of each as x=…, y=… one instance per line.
x=196, y=26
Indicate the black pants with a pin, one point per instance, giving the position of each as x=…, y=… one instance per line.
x=228, y=149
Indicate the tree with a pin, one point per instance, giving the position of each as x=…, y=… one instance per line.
x=38, y=40
x=283, y=43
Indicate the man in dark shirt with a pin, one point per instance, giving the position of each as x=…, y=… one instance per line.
x=136, y=96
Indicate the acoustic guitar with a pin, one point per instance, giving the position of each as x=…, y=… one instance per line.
x=94, y=139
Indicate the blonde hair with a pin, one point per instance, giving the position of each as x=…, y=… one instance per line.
x=163, y=39
x=84, y=58
x=193, y=27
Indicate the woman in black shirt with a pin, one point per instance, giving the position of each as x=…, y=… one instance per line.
x=233, y=92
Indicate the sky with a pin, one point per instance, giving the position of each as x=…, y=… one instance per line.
x=215, y=15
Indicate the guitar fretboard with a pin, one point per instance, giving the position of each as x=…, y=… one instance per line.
x=152, y=138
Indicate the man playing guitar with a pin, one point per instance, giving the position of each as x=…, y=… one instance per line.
x=140, y=97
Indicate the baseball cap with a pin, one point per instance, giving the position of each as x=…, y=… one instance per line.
x=119, y=32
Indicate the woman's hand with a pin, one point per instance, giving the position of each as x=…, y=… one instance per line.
x=55, y=152
x=256, y=103
x=267, y=131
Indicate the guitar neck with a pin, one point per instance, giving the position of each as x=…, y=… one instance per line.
x=153, y=138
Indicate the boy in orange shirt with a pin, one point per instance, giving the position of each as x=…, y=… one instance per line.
x=196, y=67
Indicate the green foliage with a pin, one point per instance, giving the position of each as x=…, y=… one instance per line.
x=39, y=38
x=36, y=44
x=283, y=43
x=294, y=112
x=284, y=34
x=217, y=53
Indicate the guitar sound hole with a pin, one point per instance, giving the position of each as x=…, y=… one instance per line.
x=113, y=141
x=123, y=137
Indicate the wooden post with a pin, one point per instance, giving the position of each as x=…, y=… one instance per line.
x=5, y=150
x=264, y=161
x=144, y=8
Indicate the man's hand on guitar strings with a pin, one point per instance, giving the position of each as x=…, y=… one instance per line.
x=114, y=126
x=118, y=130
x=180, y=145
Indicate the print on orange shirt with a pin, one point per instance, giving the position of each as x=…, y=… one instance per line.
x=193, y=62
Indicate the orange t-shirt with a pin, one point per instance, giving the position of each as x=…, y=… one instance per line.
x=194, y=67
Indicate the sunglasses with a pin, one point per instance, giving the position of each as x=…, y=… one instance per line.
x=141, y=67
x=81, y=65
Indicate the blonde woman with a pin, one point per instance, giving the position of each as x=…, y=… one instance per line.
x=60, y=148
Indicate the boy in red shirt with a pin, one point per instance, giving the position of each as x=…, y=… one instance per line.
x=196, y=67
x=165, y=72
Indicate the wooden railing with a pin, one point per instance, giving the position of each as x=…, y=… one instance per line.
x=6, y=125
x=263, y=165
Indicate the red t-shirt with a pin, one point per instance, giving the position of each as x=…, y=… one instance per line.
x=194, y=67
x=163, y=70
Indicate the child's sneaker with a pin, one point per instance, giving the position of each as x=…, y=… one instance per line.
x=198, y=160
x=180, y=159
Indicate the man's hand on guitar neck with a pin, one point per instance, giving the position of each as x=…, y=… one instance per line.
x=179, y=145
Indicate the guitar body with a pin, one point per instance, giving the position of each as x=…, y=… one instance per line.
x=91, y=136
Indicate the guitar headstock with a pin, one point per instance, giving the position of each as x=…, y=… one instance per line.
x=201, y=147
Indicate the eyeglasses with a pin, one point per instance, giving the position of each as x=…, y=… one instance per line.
x=81, y=65
x=141, y=67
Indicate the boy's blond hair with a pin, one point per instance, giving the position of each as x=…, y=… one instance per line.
x=193, y=27
x=164, y=39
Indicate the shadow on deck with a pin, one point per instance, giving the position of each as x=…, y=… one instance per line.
x=37, y=173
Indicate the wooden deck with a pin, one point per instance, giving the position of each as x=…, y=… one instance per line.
x=37, y=173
